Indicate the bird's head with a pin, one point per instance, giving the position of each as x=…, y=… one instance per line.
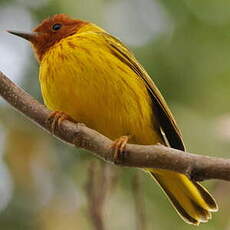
x=51, y=31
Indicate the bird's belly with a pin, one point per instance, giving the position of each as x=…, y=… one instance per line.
x=106, y=101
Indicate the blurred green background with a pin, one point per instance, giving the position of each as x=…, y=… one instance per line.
x=47, y=185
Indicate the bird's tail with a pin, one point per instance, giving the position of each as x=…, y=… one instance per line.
x=192, y=201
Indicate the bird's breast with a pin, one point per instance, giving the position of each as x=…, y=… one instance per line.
x=84, y=80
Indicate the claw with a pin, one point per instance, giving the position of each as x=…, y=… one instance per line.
x=118, y=147
x=55, y=119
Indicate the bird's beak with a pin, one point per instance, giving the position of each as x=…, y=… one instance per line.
x=27, y=36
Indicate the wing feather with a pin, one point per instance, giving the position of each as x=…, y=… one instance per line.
x=166, y=119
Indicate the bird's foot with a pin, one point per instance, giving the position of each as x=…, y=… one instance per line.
x=56, y=118
x=118, y=148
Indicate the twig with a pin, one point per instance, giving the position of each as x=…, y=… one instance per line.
x=97, y=188
x=195, y=166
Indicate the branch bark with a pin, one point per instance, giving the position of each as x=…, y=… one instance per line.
x=196, y=167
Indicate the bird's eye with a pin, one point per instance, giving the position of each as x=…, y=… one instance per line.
x=56, y=27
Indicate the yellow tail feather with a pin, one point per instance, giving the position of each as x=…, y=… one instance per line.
x=192, y=201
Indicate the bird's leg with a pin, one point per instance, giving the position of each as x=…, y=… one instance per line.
x=55, y=119
x=118, y=148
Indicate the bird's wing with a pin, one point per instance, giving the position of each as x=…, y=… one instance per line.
x=166, y=119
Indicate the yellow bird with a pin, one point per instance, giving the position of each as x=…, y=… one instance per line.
x=92, y=77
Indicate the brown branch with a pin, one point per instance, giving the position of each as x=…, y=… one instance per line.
x=195, y=166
